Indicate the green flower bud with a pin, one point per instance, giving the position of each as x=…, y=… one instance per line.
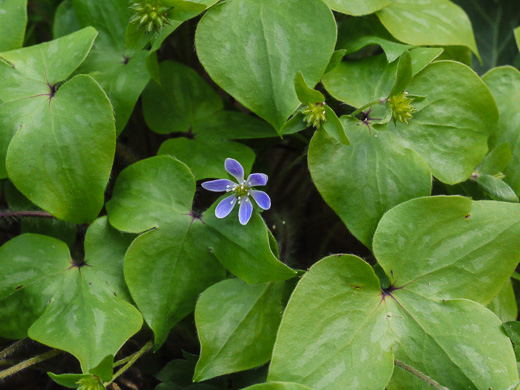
x=314, y=114
x=91, y=383
x=402, y=109
x=150, y=14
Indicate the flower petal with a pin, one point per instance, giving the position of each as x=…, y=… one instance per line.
x=245, y=211
x=225, y=206
x=257, y=179
x=235, y=169
x=262, y=199
x=219, y=185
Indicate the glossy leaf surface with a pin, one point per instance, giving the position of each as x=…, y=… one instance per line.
x=253, y=50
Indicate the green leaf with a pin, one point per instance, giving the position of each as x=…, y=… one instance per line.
x=333, y=328
x=278, y=386
x=151, y=193
x=370, y=177
x=504, y=304
x=237, y=325
x=253, y=50
x=403, y=74
x=512, y=329
x=205, y=154
x=475, y=360
x=428, y=22
x=336, y=58
x=357, y=7
x=236, y=125
x=493, y=23
x=496, y=160
x=63, y=231
x=166, y=270
x=517, y=37
x=13, y=19
x=360, y=82
x=65, y=21
x=504, y=83
x=182, y=91
x=341, y=293
x=121, y=74
x=305, y=94
x=69, y=380
x=356, y=33
x=62, y=155
x=334, y=127
x=496, y=188
x=82, y=304
x=452, y=236
x=28, y=283
x=451, y=125
x=29, y=72
x=243, y=250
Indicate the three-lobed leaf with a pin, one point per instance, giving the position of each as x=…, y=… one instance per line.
x=80, y=305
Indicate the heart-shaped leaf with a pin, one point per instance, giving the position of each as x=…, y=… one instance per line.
x=62, y=155
x=253, y=50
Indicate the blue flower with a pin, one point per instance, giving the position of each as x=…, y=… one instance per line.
x=241, y=191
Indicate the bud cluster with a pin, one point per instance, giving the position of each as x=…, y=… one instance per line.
x=401, y=106
x=315, y=114
x=150, y=14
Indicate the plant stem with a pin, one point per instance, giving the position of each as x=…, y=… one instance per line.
x=420, y=375
x=17, y=214
x=131, y=361
x=10, y=349
x=29, y=362
x=365, y=106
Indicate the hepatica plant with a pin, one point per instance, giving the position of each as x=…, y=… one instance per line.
x=138, y=251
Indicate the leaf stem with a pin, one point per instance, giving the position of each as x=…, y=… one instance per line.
x=29, y=362
x=419, y=375
x=13, y=347
x=18, y=214
x=377, y=101
x=131, y=360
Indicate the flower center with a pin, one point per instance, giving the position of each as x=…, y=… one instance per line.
x=240, y=190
